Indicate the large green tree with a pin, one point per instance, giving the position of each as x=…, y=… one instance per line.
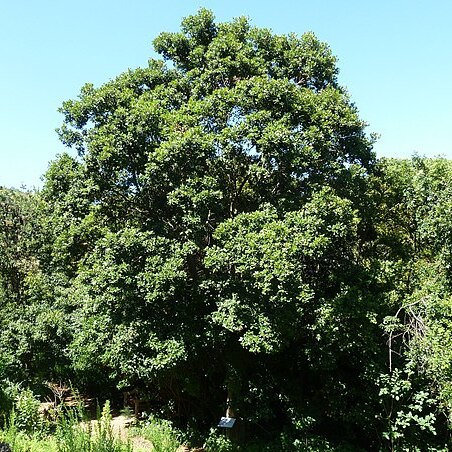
x=212, y=223
x=224, y=240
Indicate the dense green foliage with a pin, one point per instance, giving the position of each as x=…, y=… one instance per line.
x=225, y=238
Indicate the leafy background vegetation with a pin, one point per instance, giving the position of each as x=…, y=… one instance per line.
x=226, y=239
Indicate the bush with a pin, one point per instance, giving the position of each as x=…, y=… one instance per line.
x=25, y=415
x=218, y=442
x=8, y=393
x=161, y=433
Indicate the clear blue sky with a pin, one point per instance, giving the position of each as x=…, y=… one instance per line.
x=395, y=58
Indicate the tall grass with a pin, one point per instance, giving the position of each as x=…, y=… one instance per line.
x=68, y=429
x=73, y=433
x=22, y=441
x=160, y=433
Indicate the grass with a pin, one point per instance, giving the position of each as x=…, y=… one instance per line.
x=71, y=433
x=160, y=433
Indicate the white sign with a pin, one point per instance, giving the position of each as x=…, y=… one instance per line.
x=226, y=422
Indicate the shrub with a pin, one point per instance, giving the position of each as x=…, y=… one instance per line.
x=25, y=414
x=161, y=433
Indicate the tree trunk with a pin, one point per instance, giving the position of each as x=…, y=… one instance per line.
x=233, y=386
